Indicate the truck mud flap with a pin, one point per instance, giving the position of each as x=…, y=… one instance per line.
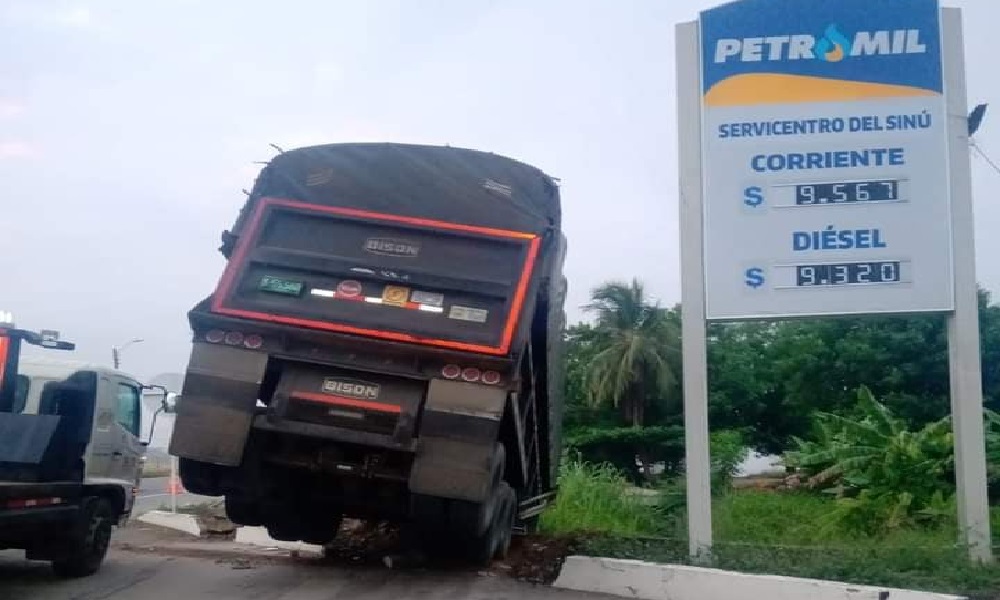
x=458, y=432
x=217, y=404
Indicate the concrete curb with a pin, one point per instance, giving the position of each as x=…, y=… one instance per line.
x=179, y=521
x=257, y=536
x=652, y=581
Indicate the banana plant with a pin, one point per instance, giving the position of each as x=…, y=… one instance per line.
x=883, y=475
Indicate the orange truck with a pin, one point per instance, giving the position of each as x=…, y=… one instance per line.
x=385, y=342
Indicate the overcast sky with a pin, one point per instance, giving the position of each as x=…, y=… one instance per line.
x=127, y=130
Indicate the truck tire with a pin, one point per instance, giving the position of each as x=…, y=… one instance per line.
x=475, y=517
x=495, y=541
x=317, y=534
x=243, y=511
x=309, y=524
x=88, y=540
x=507, y=518
x=200, y=478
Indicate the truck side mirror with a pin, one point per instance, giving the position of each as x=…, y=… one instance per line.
x=169, y=403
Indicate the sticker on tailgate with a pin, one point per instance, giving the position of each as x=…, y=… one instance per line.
x=395, y=295
x=465, y=313
x=280, y=285
x=349, y=288
x=428, y=298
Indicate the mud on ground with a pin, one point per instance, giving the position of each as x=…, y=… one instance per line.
x=534, y=558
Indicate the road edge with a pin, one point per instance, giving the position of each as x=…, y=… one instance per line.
x=654, y=581
x=177, y=521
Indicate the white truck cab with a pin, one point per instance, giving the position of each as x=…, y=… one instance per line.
x=114, y=454
x=71, y=453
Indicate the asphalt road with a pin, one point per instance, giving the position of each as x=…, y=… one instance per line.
x=165, y=566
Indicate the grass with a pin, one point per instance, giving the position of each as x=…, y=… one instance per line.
x=765, y=532
x=591, y=500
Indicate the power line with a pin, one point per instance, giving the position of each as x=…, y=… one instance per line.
x=976, y=147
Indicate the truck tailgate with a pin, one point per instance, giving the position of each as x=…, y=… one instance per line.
x=385, y=276
x=375, y=403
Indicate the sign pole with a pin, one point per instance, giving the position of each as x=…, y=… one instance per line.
x=965, y=368
x=693, y=340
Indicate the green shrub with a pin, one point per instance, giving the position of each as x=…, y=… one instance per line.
x=619, y=446
x=594, y=499
x=728, y=450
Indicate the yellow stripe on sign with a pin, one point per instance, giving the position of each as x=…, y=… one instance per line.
x=773, y=88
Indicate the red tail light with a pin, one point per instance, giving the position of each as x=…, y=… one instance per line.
x=491, y=378
x=471, y=374
x=250, y=341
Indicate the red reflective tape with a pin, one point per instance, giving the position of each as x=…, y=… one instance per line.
x=4, y=350
x=520, y=294
x=243, y=245
x=33, y=502
x=344, y=401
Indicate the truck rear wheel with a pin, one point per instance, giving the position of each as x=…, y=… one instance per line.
x=88, y=540
x=476, y=517
x=203, y=479
x=312, y=524
x=243, y=511
x=495, y=541
x=507, y=519
x=478, y=531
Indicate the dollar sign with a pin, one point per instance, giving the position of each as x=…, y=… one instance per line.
x=753, y=196
x=754, y=277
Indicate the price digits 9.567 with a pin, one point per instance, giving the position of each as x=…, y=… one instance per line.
x=883, y=190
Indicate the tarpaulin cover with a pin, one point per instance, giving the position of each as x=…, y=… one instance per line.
x=435, y=182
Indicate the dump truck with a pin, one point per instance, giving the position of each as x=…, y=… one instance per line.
x=70, y=453
x=384, y=343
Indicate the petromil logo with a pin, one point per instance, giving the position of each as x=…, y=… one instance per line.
x=833, y=46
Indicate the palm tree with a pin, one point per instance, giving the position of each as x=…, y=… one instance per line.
x=639, y=342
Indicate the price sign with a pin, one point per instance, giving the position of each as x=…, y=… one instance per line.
x=824, y=159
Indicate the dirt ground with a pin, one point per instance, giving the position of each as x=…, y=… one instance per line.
x=532, y=558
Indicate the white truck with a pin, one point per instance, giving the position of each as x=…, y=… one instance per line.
x=70, y=454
